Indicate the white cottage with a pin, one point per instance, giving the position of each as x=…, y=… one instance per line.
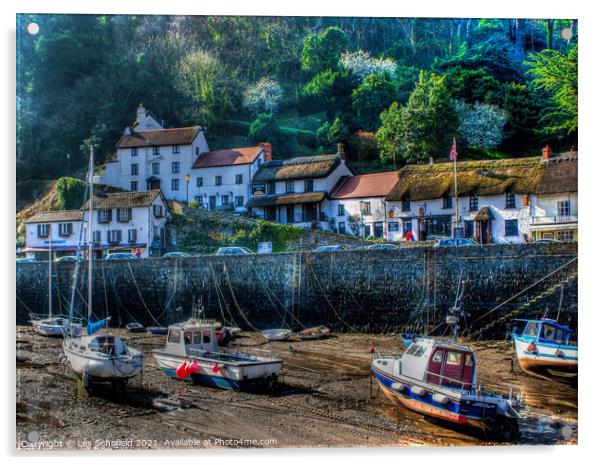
x=357, y=205
x=121, y=222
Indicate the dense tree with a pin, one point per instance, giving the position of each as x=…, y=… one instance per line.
x=369, y=100
x=361, y=64
x=422, y=128
x=322, y=51
x=329, y=90
x=265, y=128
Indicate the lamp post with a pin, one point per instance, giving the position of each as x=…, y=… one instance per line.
x=187, y=182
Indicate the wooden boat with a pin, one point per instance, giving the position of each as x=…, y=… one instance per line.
x=544, y=350
x=135, y=328
x=281, y=334
x=316, y=332
x=191, y=353
x=157, y=329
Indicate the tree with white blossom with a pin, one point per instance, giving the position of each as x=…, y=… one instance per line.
x=481, y=125
x=264, y=96
x=362, y=64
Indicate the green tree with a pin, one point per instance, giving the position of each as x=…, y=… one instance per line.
x=266, y=129
x=329, y=90
x=323, y=50
x=369, y=100
x=555, y=73
x=338, y=132
x=422, y=128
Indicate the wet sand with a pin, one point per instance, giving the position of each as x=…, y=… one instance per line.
x=323, y=400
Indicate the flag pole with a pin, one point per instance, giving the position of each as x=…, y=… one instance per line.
x=456, y=195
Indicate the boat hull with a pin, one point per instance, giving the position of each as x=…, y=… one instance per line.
x=53, y=330
x=230, y=375
x=555, y=361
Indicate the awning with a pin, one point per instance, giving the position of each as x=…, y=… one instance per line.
x=286, y=199
x=484, y=214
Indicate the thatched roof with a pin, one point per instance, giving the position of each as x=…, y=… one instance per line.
x=484, y=177
x=318, y=166
x=560, y=175
x=286, y=199
x=53, y=216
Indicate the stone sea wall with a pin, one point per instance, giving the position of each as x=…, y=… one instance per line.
x=362, y=290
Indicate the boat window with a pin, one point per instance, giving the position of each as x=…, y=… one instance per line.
x=531, y=329
x=453, y=358
x=197, y=337
x=468, y=361
x=437, y=357
x=187, y=337
x=548, y=332
x=174, y=336
x=416, y=350
x=206, y=337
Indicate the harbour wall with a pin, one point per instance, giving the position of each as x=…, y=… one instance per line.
x=360, y=290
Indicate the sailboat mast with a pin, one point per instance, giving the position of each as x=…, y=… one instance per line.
x=50, y=271
x=90, y=220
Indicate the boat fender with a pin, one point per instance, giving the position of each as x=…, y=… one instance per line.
x=397, y=387
x=419, y=391
x=85, y=379
x=440, y=398
x=532, y=348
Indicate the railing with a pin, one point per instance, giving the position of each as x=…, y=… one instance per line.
x=558, y=219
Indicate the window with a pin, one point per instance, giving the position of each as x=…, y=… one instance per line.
x=175, y=167
x=197, y=150
x=563, y=208
x=156, y=168
x=240, y=201
x=158, y=211
x=365, y=208
x=134, y=151
x=134, y=186
x=532, y=329
x=564, y=236
x=309, y=185
x=473, y=203
x=271, y=188
x=468, y=361
x=342, y=228
x=65, y=229
x=238, y=179
x=510, y=200
x=187, y=337
x=124, y=215
x=43, y=230
x=206, y=337
x=405, y=205
x=197, y=334
x=199, y=182
x=96, y=237
x=468, y=228
x=290, y=187
x=174, y=336
x=225, y=200
x=132, y=236
x=511, y=227
x=453, y=358
x=175, y=149
x=447, y=202
x=218, y=180
x=114, y=236
x=134, y=169
x=407, y=227
x=438, y=356
x=155, y=150
x=104, y=215
x=393, y=226
x=175, y=184
x=341, y=209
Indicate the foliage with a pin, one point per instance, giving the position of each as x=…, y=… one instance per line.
x=322, y=51
x=481, y=125
x=422, y=128
x=362, y=146
x=329, y=90
x=361, y=64
x=70, y=193
x=266, y=129
x=369, y=100
x=556, y=73
x=265, y=96
x=338, y=132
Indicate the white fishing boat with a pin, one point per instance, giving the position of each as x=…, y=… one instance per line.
x=102, y=357
x=192, y=353
x=281, y=334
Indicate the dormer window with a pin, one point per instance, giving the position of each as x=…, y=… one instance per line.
x=309, y=185
x=175, y=149
x=290, y=187
x=447, y=202
x=271, y=188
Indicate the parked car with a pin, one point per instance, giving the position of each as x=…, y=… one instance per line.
x=547, y=241
x=329, y=248
x=461, y=242
x=233, y=251
x=26, y=260
x=382, y=247
x=176, y=255
x=120, y=256
x=67, y=258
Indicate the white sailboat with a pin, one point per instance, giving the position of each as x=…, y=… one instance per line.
x=100, y=357
x=53, y=325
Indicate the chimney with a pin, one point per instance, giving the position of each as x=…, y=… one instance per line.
x=140, y=113
x=341, y=151
x=546, y=153
x=267, y=151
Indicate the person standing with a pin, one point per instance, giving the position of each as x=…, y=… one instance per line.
x=138, y=253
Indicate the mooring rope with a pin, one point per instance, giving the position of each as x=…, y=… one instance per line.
x=236, y=302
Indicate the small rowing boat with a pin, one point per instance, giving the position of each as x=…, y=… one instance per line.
x=157, y=329
x=135, y=328
x=280, y=334
x=316, y=332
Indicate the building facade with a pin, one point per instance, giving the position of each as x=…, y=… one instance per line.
x=121, y=222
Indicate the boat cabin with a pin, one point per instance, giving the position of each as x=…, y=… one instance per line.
x=546, y=330
x=108, y=345
x=183, y=338
x=440, y=362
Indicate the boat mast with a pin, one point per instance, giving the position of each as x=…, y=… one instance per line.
x=90, y=216
x=50, y=271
